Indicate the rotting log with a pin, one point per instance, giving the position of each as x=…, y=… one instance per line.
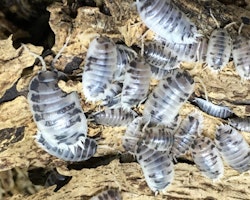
x=19, y=149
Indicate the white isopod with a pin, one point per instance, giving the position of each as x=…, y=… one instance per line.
x=219, y=48
x=166, y=99
x=111, y=95
x=100, y=65
x=157, y=167
x=136, y=83
x=212, y=109
x=187, y=132
x=165, y=19
x=62, y=125
x=110, y=194
x=233, y=148
x=241, y=58
x=207, y=158
x=114, y=117
x=242, y=124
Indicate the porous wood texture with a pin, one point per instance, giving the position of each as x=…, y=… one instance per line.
x=18, y=149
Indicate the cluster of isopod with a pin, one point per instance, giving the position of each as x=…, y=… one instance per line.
x=119, y=78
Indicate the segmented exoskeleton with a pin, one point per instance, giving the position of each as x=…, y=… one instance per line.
x=159, y=57
x=62, y=125
x=159, y=138
x=242, y=124
x=167, y=21
x=185, y=135
x=233, y=148
x=111, y=95
x=163, y=104
x=212, y=109
x=136, y=83
x=207, y=158
x=241, y=58
x=100, y=65
x=157, y=167
x=110, y=194
x=114, y=117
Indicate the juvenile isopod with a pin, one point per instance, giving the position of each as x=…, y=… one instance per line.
x=157, y=167
x=100, y=65
x=219, y=48
x=110, y=194
x=166, y=99
x=207, y=158
x=114, y=117
x=233, y=147
x=187, y=132
x=136, y=83
x=242, y=124
x=212, y=109
x=241, y=58
x=165, y=19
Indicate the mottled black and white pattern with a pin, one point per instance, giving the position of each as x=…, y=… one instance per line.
x=61, y=123
x=241, y=56
x=207, y=158
x=136, y=83
x=111, y=94
x=114, y=117
x=212, y=109
x=233, y=148
x=242, y=124
x=187, y=132
x=110, y=194
x=166, y=20
x=157, y=167
x=166, y=99
x=99, y=68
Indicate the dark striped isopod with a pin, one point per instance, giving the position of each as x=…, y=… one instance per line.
x=166, y=20
x=114, y=117
x=207, y=158
x=100, y=65
x=212, y=109
x=233, y=148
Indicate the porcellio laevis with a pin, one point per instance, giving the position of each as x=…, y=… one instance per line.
x=186, y=133
x=62, y=125
x=136, y=83
x=207, y=158
x=166, y=99
x=212, y=109
x=242, y=124
x=114, y=117
x=233, y=148
x=159, y=138
x=166, y=20
x=100, y=65
x=157, y=167
x=110, y=194
x=241, y=58
x=111, y=95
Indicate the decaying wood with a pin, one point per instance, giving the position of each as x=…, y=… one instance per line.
x=21, y=151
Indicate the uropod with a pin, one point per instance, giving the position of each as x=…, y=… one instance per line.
x=61, y=122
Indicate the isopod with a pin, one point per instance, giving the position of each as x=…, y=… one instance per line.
x=241, y=51
x=185, y=135
x=242, y=124
x=157, y=167
x=166, y=99
x=233, y=148
x=207, y=158
x=136, y=83
x=158, y=73
x=110, y=194
x=219, y=48
x=100, y=65
x=159, y=138
x=114, y=117
x=111, y=95
x=165, y=19
x=212, y=109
